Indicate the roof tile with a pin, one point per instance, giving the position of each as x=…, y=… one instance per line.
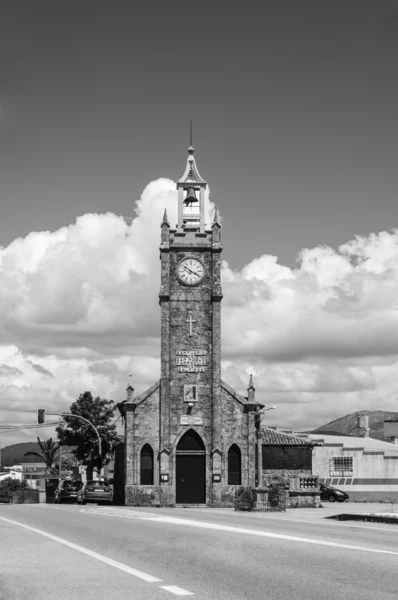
x=271, y=437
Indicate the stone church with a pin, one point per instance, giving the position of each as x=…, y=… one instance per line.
x=190, y=438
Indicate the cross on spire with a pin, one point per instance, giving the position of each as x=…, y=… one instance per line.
x=190, y=320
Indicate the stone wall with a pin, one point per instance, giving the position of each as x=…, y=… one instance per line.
x=149, y=495
x=287, y=457
x=283, y=475
x=304, y=499
x=142, y=427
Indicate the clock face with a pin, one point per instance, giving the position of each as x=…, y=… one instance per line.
x=190, y=271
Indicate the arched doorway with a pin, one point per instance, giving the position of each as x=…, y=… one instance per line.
x=191, y=469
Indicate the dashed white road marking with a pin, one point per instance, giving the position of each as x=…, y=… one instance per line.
x=174, y=589
x=215, y=526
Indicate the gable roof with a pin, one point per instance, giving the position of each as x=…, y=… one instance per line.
x=270, y=437
x=233, y=393
x=134, y=401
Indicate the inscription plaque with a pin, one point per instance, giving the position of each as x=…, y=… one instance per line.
x=191, y=361
x=188, y=420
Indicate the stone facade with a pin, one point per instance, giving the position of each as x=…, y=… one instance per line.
x=190, y=395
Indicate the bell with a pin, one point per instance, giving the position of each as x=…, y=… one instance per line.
x=190, y=198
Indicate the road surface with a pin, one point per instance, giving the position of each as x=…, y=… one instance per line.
x=93, y=552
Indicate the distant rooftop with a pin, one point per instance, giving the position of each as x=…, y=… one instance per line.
x=367, y=443
x=271, y=437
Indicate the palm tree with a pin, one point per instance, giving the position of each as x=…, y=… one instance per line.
x=49, y=450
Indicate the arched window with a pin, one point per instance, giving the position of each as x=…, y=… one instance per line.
x=146, y=465
x=234, y=465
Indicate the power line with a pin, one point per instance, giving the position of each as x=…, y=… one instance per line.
x=21, y=426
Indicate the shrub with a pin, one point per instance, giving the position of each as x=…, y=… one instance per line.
x=273, y=496
x=12, y=485
x=245, y=498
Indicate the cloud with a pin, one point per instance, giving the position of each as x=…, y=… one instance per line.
x=79, y=311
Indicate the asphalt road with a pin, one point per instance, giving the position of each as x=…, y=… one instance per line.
x=92, y=552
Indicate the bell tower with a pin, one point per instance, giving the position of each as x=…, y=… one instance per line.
x=190, y=300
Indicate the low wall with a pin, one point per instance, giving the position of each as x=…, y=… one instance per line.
x=148, y=495
x=25, y=497
x=271, y=476
x=304, y=499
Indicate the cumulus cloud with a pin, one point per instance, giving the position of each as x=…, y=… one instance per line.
x=79, y=310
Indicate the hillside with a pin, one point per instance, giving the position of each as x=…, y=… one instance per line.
x=348, y=425
x=14, y=454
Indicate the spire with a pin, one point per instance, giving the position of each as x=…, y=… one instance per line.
x=165, y=218
x=251, y=390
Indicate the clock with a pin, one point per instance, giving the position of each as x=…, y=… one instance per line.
x=190, y=271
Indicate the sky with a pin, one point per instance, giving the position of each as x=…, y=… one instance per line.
x=295, y=128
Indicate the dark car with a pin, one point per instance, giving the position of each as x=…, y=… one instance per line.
x=332, y=494
x=96, y=490
x=67, y=491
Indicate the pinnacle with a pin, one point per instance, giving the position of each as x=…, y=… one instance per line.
x=216, y=217
x=251, y=384
x=165, y=218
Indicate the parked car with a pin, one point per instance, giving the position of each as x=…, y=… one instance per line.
x=99, y=491
x=332, y=494
x=67, y=491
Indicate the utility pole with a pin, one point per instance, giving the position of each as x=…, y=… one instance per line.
x=260, y=445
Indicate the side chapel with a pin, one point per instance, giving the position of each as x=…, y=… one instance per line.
x=190, y=438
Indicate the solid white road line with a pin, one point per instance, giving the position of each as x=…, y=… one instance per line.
x=174, y=589
x=100, y=557
x=203, y=525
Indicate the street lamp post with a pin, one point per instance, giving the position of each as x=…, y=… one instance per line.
x=260, y=446
x=93, y=426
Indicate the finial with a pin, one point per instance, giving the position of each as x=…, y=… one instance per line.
x=129, y=390
x=130, y=387
x=191, y=149
x=251, y=390
x=165, y=218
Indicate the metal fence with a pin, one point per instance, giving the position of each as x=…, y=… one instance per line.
x=272, y=499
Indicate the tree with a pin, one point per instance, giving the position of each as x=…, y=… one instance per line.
x=49, y=451
x=82, y=437
x=9, y=484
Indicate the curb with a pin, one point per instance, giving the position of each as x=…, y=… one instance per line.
x=373, y=518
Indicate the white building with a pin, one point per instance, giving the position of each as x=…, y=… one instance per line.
x=33, y=472
x=10, y=472
x=365, y=468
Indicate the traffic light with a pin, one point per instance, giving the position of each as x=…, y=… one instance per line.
x=41, y=416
